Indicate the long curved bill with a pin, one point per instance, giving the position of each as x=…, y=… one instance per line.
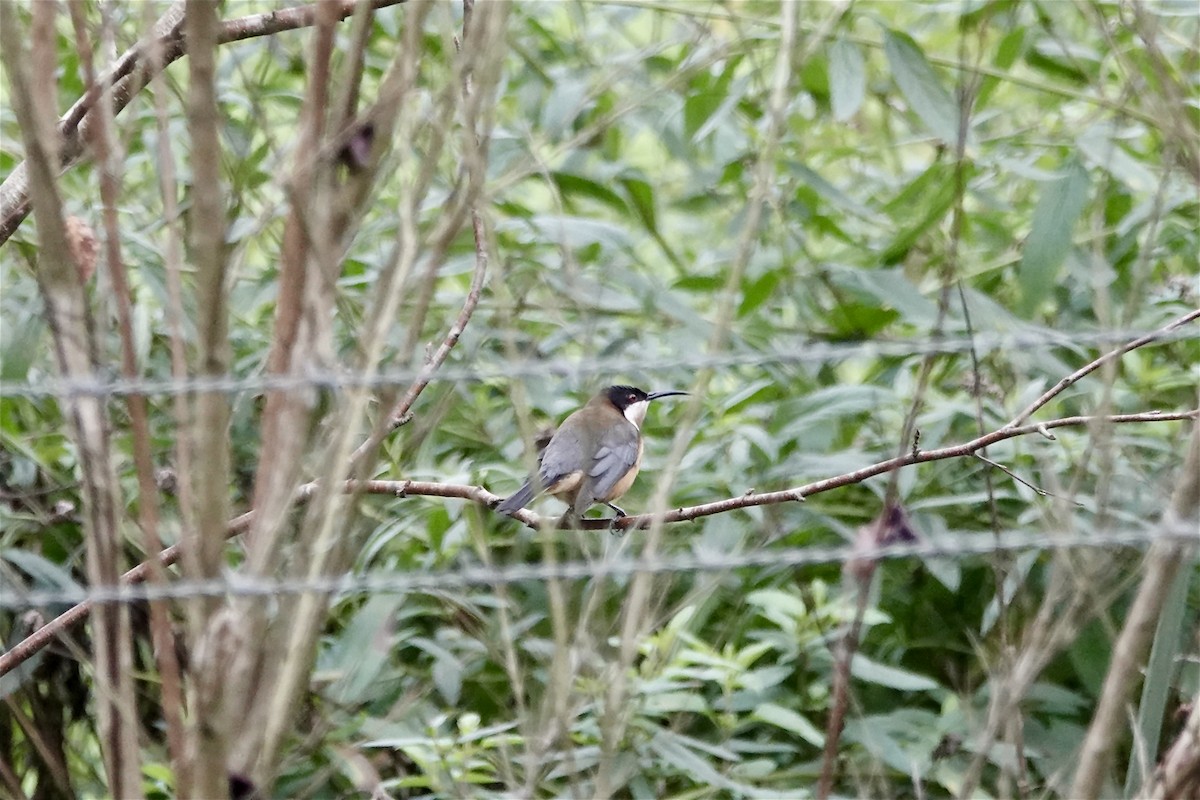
x=668, y=393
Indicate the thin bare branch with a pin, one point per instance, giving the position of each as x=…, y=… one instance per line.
x=402, y=412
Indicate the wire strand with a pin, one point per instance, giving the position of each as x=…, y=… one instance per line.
x=802, y=352
x=700, y=561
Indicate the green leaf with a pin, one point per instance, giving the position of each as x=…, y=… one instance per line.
x=19, y=346
x=563, y=105
x=699, y=283
x=790, y=721
x=1008, y=51
x=979, y=12
x=921, y=86
x=777, y=604
x=577, y=185
x=674, y=702
x=847, y=79
x=921, y=206
x=641, y=197
x=671, y=749
x=1099, y=143
x=44, y=573
x=894, y=295
x=828, y=192
x=1050, y=238
x=757, y=292
x=870, y=671
x=364, y=649
x=704, y=98
x=578, y=232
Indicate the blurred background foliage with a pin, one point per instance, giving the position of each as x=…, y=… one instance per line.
x=621, y=163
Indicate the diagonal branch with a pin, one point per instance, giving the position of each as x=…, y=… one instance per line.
x=401, y=412
x=132, y=72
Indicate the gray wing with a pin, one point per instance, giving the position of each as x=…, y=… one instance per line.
x=561, y=456
x=618, y=452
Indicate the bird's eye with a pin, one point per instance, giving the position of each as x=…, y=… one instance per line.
x=631, y=397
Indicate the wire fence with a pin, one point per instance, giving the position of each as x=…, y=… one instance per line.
x=709, y=561
x=14, y=597
x=800, y=351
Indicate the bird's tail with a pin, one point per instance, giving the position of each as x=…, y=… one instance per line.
x=518, y=500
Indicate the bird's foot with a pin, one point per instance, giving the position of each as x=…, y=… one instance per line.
x=612, y=523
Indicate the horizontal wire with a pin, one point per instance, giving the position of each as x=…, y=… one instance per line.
x=466, y=577
x=803, y=352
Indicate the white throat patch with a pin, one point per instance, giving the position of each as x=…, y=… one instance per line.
x=636, y=413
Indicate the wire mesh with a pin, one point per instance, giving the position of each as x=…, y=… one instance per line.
x=241, y=585
x=800, y=352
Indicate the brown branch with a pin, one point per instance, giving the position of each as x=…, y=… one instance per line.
x=839, y=690
x=37, y=640
x=890, y=527
x=209, y=475
x=132, y=72
x=859, y=475
x=308, y=266
x=1178, y=774
x=402, y=412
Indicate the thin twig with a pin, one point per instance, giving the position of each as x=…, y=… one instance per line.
x=24, y=649
x=401, y=414
x=1041, y=492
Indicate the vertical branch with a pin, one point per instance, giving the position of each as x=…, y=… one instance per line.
x=285, y=416
x=299, y=325
x=69, y=319
x=209, y=478
x=208, y=258
x=173, y=261
x=108, y=156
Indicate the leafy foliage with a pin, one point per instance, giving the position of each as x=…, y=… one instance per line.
x=620, y=171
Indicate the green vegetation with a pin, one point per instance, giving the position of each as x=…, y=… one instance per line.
x=853, y=230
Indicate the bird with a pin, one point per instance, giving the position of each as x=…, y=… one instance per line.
x=594, y=455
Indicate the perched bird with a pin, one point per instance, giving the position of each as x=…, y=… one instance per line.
x=594, y=455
